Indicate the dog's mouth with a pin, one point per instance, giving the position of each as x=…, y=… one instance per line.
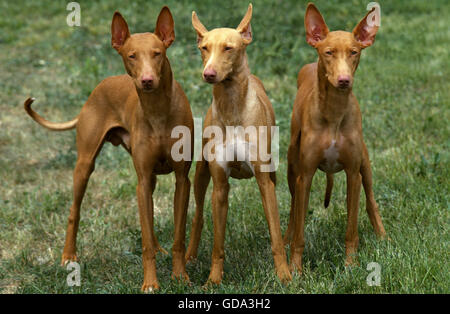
x=147, y=89
x=343, y=87
x=210, y=80
x=216, y=81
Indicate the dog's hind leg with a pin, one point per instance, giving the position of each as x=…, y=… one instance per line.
x=90, y=140
x=292, y=173
x=371, y=205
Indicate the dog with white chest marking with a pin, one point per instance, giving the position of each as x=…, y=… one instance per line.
x=239, y=104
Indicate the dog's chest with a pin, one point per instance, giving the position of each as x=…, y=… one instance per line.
x=235, y=110
x=234, y=156
x=330, y=163
x=238, y=117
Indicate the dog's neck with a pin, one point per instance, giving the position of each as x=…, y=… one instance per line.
x=333, y=103
x=158, y=101
x=229, y=96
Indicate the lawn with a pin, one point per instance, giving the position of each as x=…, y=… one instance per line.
x=402, y=84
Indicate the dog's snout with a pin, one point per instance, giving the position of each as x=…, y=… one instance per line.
x=147, y=81
x=344, y=81
x=209, y=75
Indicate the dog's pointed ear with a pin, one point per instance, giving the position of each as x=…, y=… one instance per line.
x=315, y=26
x=198, y=26
x=165, y=27
x=244, y=28
x=119, y=31
x=366, y=29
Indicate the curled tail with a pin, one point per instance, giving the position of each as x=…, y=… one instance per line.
x=328, y=190
x=45, y=123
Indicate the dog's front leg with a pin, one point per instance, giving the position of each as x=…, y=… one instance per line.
x=371, y=205
x=221, y=188
x=181, y=202
x=144, y=167
x=269, y=200
x=302, y=190
x=145, y=205
x=351, y=236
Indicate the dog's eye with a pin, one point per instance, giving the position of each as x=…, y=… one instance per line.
x=204, y=48
x=329, y=52
x=228, y=48
x=157, y=53
x=132, y=56
x=354, y=52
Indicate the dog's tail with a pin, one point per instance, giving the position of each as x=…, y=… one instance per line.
x=328, y=190
x=45, y=123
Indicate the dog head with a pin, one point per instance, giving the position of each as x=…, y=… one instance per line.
x=144, y=54
x=338, y=51
x=222, y=49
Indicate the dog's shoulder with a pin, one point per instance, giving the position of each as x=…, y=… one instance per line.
x=256, y=83
x=259, y=96
x=114, y=89
x=307, y=71
x=123, y=81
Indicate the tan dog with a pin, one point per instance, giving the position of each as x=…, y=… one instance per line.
x=239, y=99
x=326, y=130
x=137, y=111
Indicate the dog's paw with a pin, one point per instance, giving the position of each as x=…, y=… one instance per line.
x=67, y=258
x=351, y=261
x=296, y=264
x=181, y=276
x=284, y=274
x=210, y=284
x=383, y=237
x=190, y=257
x=215, y=278
x=149, y=287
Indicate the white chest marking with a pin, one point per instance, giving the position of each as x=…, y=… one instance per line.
x=236, y=149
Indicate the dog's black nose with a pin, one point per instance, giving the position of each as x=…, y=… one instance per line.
x=210, y=75
x=344, y=81
x=147, y=81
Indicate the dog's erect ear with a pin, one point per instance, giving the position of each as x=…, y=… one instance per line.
x=315, y=26
x=244, y=27
x=366, y=29
x=165, y=27
x=198, y=26
x=119, y=31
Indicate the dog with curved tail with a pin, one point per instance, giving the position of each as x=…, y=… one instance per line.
x=137, y=111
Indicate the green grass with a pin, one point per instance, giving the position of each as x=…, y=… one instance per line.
x=402, y=86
